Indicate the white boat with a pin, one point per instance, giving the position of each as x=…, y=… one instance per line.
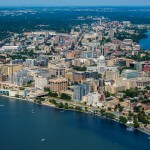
x=62, y=111
x=42, y=140
x=2, y=105
x=33, y=111
x=130, y=129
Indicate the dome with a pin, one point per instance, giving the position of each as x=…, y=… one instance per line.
x=102, y=57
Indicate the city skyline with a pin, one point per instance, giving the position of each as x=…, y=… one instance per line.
x=75, y=3
x=74, y=75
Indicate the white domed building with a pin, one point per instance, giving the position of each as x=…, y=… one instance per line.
x=101, y=65
x=101, y=61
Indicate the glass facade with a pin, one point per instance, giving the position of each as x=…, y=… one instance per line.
x=80, y=90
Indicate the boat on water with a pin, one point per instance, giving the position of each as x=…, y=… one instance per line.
x=62, y=111
x=33, y=111
x=42, y=140
x=2, y=105
x=130, y=129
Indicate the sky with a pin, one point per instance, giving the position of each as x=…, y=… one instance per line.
x=74, y=2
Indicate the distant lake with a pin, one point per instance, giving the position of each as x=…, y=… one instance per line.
x=52, y=129
x=145, y=43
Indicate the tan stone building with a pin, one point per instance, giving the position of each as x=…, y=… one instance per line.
x=70, y=54
x=58, y=84
x=121, y=85
x=128, y=83
x=112, y=75
x=114, y=89
x=111, y=62
x=69, y=76
x=56, y=70
x=10, y=69
x=142, y=82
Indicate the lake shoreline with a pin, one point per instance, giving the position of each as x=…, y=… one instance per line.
x=53, y=106
x=144, y=42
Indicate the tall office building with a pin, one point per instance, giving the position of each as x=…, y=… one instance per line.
x=80, y=90
x=19, y=78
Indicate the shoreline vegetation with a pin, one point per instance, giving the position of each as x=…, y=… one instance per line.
x=77, y=109
x=140, y=34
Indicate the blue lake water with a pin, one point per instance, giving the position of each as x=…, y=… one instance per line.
x=145, y=43
x=20, y=129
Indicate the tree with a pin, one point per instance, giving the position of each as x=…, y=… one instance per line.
x=40, y=99
x=135, y=123
x=78, y=68
x=52, y=101
x=78, y=108
x=60, y=105
x=109, y=108
x=107, y=94
x=120, y=108
x=102, y=111
x=65, y=96
x=100, y=75
x=147, y=87
x=123, y=119
x=17, y=96
x=131, y=92
x=52, y=94
x=136, y=109
x=142, y=118
x=107, y=40
x=130, y=114
x=66, y=106
x=121, y=99
x=21, y=88
x=86, y=109
x=46, y=89
x=110, y=115
x=53, y=49
x=116, y=107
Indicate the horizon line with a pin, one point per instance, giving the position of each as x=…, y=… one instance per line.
x=75, y=6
